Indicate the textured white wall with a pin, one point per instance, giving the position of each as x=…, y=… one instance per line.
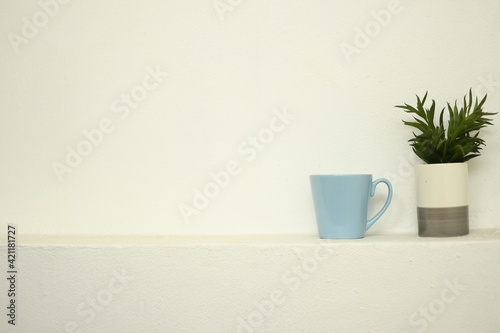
x=169, y=92
x=382, y=284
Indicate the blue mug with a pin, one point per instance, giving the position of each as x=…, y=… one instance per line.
x=341, y=204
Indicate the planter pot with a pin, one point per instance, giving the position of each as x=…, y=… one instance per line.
x=442, y=203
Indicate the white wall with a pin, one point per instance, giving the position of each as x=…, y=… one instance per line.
x=227, y=71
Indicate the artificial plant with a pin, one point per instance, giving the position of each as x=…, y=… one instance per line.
x=459, y=141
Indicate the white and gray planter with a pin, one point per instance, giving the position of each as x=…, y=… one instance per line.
x=442, y=202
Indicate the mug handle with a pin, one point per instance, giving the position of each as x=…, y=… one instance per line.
x=387, y=202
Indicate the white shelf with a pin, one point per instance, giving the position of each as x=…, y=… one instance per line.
x=475, y=236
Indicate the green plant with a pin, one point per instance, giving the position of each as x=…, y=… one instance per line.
x=459, y=142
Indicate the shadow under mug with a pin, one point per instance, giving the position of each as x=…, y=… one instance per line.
x=341, y=204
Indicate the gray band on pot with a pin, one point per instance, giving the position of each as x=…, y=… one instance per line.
x=443, y=222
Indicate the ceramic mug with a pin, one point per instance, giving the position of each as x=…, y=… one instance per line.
x=341, y=204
